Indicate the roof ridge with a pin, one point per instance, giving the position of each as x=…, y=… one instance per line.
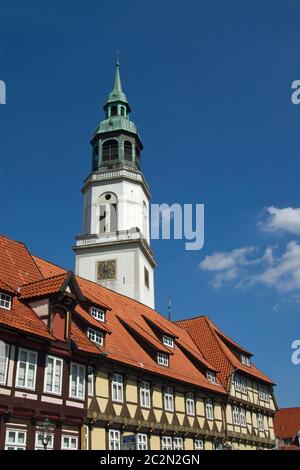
x=44, y=279
x=191, y=318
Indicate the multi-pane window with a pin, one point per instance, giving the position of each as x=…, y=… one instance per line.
x=168, y=341
x=98, y=313
x=5, y=301
x=169, y=399
x=90, y=382
x=69, y=442
x=190, y=404
x=77, y=381
x=163, y=359
x=260, y=422
x=263, y=393
x=95, y=336
x=15, y=439
x=145, y=395
x=166, y=443
x=209, y=408
x=39, y=441
x=26, y=369
x=243, y=417
x=114, y=439
x=117, y=388
x=236, y=415
x=211, y=376
x=177, y=443
x=141, y=441
x=53, y=375
x=240, y=384
x=4, y=355
x=245, y=360
x=239, y=416
x=198, y=444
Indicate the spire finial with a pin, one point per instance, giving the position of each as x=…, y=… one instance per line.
x=117, y=84
x=118, y=58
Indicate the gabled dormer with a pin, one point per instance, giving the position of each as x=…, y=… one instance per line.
x=53, y=299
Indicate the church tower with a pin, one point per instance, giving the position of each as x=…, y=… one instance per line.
x=114, y=249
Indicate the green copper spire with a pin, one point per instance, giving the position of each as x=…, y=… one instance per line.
x=117, y=95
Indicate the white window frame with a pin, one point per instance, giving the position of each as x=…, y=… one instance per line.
x=198, y=444
x=95, y=336
x=145, y=394
x=211, y=376
x=56, y=360
x=141, y=441
x=15, y=445
x=28, y=352
x=4, y=361
x=190, y=404
x=114, y=439
x=240, y=384
x=263, y=393
x=5, y=301
x=209, y=409
x=163, y=359
x=236, y=415
x=38, y=446
x=169, y=399
x=78, y=367
x=90, y=382
x=98, y=314
x=245, y=360
x=70, y=437
x=166, y=443
x=243, y=420
x=260, y=422
x=117, y=388
x=168, y=341
x=177, y=443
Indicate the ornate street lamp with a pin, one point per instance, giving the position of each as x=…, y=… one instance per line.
x=46, y=432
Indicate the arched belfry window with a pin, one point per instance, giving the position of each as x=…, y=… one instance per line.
x=108, y=217
x=95, y=158
x=137, y=158
x=114, y=110
x=110, y=150
x=128, y=151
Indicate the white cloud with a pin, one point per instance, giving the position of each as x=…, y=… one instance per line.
x=282, y=220
x=241, y=269
x=284, y=271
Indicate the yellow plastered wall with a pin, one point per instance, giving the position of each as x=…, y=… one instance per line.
x=98, y=439
x=179, y=402
x=131, y=392
x=154, y=442
x=102, y=385
x=189, y=444
x=157, y=398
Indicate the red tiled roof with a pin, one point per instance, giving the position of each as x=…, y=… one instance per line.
x=87, y=318
x=43, y=287
x=213, y=343
x=6, y=288
x=16, y=266
x=82, y=342
x=23, y=318
x=287, y=423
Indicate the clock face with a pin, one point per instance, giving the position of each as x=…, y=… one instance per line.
x=106, y=269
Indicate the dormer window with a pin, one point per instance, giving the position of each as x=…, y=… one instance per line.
x=98, y=314
x=245, y=360
x=5, y=301
x=95, y=336
x=163, y=359
x=168, y=341
x=211, y=376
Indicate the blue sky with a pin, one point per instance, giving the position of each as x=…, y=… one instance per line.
x=209, y=83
